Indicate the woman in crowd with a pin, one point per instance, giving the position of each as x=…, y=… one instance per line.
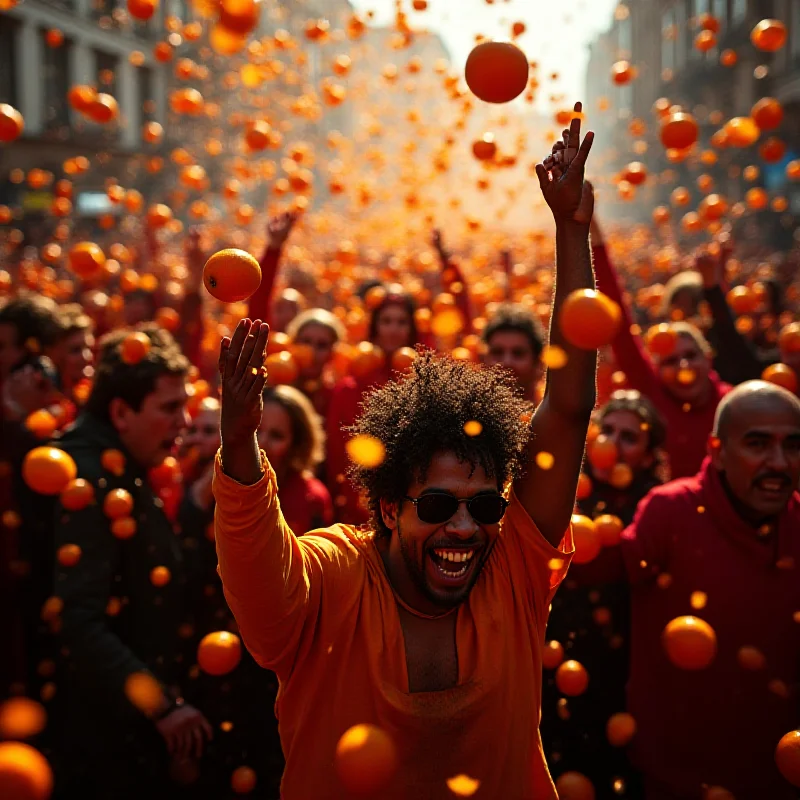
x=318, y=332
x=678, y=380
x=590, y=619
x=292, y=437
x=391, y=327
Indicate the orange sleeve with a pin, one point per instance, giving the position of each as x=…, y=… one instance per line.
x=543, y=566
x=275, y=582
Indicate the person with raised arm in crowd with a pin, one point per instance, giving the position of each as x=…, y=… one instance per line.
x=431, y=626
x=681, y=384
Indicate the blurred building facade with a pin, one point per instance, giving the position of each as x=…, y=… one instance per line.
x=657, y=37
x=48, y=46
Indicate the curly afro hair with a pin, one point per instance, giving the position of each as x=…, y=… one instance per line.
x=424, y=413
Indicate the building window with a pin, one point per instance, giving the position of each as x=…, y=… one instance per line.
x=625, y=37
x=177, y=8
x=55, y=85
x=146, y=99
x=720, y=10
x=738, y=10
x=668, y=35
x=794, y=31
x=8, y=72
x=681, y=34
x=106, y=71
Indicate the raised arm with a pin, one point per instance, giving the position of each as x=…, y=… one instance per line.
x=452, y=274
x=560, y=422
x=278, y=230
x=628, y=349
x=191, y=336
x=273, y=581
x=735, y=359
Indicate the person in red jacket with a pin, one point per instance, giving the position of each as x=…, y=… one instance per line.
x=722, y=545
x=391, y=327
x=318, y=331
x=681, y=385
x=292, y=437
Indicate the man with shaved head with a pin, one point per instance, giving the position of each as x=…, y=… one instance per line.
x=724, y=546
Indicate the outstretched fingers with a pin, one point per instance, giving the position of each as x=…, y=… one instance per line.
x=247, y=351
x=574, y=134
x=583, y=152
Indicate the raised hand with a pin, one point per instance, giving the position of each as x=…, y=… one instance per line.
x=241, y=365
x=561, y=176
x=279, y=227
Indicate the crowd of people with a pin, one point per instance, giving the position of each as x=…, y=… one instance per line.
x=687, y=505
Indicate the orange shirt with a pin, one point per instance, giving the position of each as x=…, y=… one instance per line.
x=319, y=610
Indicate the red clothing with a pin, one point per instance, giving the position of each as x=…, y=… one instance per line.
x=305, y=502
x=687, y=429
x=345, y=406
x=719, y=725
x=260, y=304
x=320, y=611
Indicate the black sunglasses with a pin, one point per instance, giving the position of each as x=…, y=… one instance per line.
x=435, y=508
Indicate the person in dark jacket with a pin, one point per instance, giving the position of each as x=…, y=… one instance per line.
x=591, y=619
x=120, y=626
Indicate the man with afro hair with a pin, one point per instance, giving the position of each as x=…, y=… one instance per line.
x=428, y=626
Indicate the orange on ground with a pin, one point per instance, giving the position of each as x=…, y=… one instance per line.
x=587, y=541
x=690, y=642
x=366, y=759
x=496, y=72
x=219, y=652
x=588, y=319
x=231, y=275
x=25, y=773
x=787, y=757
x=572, y=678
x=47, y=470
